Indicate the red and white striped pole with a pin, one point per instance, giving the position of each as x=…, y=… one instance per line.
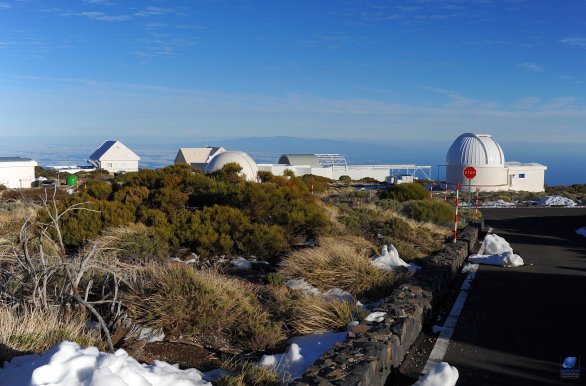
x=456, y=217
x=477, y=189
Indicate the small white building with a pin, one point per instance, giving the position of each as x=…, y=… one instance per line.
x=527, y=177
x=16, y=172
x=198, y=157
x=115, y=157
x=482, y=153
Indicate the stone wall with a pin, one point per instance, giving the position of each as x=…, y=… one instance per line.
x=372, y=348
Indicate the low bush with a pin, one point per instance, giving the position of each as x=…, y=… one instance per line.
x=316, y=314
x=136, y=243
x=437, y=212
x=203, y=307
x=405, y=192
x=248, y=373
x=336, y=263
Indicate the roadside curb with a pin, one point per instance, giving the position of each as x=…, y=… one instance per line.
x=373, y=349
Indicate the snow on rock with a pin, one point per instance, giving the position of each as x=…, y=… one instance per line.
x=241, y=263
x=505, y=259
x=389, y=260
x=556, y=201
x=377, y=316
x=581, y=231
x=302, y=353
x=493, y=244
x=67, y=364
x=441, y=375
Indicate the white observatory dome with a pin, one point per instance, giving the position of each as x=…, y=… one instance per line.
x=475, y=150
x=249, y=168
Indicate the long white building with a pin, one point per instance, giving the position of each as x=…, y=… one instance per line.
x=334, y=166
x=486, y=157
x=17, y=172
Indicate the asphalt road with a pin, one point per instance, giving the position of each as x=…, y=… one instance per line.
x=518, y=323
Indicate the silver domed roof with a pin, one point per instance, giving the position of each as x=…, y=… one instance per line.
x=475, y=150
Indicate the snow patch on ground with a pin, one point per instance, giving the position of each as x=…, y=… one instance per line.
x=302, y=353
x=67, y=364
x=469, y=267
x=241, y=263
x=581, y=231
x=497, y=204
x=505, y=259
x=495, y=250
x=389, y=260
x=493, y=244
x=441, y=375
x=334, y=293
x=556, y=201
x=302, y=285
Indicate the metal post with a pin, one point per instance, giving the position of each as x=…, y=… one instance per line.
x=456, y=217
x=469, y=192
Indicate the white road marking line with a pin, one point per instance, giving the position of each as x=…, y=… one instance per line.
x=442, y=342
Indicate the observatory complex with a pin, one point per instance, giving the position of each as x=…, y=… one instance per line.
x=482, y=154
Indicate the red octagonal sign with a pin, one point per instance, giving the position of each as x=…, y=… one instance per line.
x=470, y=172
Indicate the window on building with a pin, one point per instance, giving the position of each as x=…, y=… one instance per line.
x=521, y=175
x=109, y=165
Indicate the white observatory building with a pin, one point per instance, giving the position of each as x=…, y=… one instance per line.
x=493, y=174
x=249, y=168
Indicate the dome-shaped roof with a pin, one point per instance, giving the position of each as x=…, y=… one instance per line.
x=249, y=168
x=475, y=150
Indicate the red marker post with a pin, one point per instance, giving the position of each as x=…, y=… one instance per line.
x=477, y=190
x=456, y=217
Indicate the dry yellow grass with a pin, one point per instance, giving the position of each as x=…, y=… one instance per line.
x=203, y=306
x=338, y=263
x=316, y=314
x=12, y=216
x=35, y=331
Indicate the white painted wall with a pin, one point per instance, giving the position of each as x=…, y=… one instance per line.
x=17, y=174
x=488, y=178
x=116, y=166
x=527, y=178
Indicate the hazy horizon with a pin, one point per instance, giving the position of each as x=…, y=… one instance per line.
x=564, y=168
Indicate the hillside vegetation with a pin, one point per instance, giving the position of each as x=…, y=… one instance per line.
x=104, y=254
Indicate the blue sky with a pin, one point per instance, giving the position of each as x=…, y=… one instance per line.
x=335, y=69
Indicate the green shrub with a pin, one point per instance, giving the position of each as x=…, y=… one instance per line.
x=319, y=183
x=98, y=189
x=369, y=180
x=345, y=179
x=389, y=204
x=138, y=244
x=437, y=212
x=3, y=188
x=405, y=192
